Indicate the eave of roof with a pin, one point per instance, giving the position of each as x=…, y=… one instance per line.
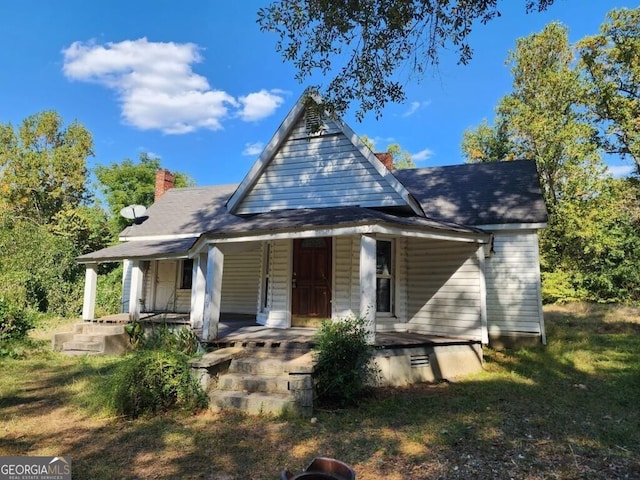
x=141, y=249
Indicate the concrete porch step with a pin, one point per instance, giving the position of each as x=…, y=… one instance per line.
x=92, y=337
x=254, y=383
x=258, y=365
x=254, y=403
x=87, y=337
x=89, y=328
x=83, y=346
x=264, y=382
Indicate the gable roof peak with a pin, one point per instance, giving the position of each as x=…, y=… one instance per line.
x=330, y=145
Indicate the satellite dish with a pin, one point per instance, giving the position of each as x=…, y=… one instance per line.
x=134, y=212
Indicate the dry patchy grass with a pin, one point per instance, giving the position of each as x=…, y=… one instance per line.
x=566, y=411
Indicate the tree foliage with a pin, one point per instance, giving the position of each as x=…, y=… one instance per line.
x=591, y=241
x=376, y=40
x=45, y=221
x=128, y=183
x=611, y=62
x=542, y=119
x=487, y=143
x=43, y=166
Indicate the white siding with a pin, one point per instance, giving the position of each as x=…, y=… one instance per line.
x=443, y=289
x=240, y=282
x=513, y=285
x=148, y=287
x=280, y=284
x=345, y=294
x=127, y=265
x=183, y=301
x=318, y=171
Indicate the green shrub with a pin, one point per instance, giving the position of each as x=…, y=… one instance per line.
x=15, y=322
x=162, y=337
x=344, y=369
x=154, y=381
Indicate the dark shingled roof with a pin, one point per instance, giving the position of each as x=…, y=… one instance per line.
x=479, y=193
x=455, y=199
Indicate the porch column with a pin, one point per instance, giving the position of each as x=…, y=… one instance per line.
x=368, y=285
x=213, y=293
x=198, y=286
x=480, y=255
x=135, y=291
x=90, y=285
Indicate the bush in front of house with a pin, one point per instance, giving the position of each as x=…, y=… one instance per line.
x=151, y=381
x=344, y=369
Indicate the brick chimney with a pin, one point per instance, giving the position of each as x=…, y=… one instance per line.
x=164, y=182
x=387, y=160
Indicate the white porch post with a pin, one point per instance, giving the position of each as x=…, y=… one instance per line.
x=135, y=292
x=213, y=293
x=483, y=295
x=90, y=285
x=368, y=285
x=198, y=286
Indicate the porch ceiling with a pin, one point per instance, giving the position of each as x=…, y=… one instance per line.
x=141, y=249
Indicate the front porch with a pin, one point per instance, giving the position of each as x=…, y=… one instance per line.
x=263, y=369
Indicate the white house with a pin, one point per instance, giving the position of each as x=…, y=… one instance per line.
x=320, y=227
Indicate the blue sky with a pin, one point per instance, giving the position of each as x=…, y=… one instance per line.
x=197, y=83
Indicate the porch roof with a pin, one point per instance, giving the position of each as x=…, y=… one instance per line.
x=286, y=223
x=141, y=249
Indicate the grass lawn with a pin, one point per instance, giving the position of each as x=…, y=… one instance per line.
x=570, y=410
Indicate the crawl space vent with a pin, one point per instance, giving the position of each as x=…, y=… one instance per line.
x=419, y=361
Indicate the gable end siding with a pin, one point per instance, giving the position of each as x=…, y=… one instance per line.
x=318, y=171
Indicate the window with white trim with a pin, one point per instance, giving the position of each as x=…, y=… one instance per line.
x=384, y=276
x=186, y=276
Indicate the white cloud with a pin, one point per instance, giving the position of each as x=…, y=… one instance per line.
x=415, y=106
x=253, y=149
x=157, y=87
x=422, y=155
x=620, y=170
x=259, y=105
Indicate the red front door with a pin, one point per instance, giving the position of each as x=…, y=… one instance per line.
x=311, y=282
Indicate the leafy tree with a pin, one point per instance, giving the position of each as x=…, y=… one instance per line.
x=376, y=40
x=589, y=247
x=45, y=222
x=543, y=118
x=486, y=143
x=129, y=183
x=85, y=226
x=38, y=270
x=43, y=166
x=611, y=61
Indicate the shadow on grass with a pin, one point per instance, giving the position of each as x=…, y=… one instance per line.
x=567, y=410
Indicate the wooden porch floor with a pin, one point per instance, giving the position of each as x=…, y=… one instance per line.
x=235, y=329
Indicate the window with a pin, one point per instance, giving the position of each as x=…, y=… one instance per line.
x=384, y=276
x=186, y=277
